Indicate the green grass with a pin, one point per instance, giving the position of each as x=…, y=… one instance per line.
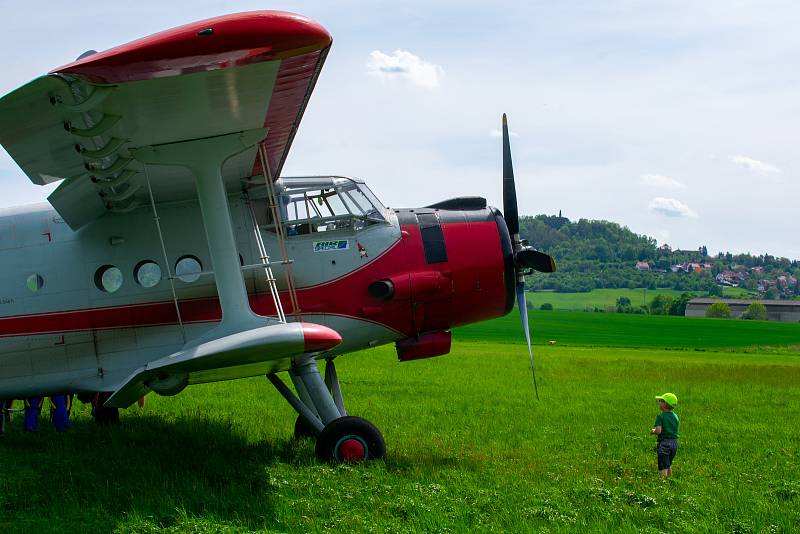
x=597, y=298
x=470, y=449
x=737, y=293
x=607, y=298
x=627, y=330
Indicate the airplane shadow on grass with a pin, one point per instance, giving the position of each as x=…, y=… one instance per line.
x=156, y=470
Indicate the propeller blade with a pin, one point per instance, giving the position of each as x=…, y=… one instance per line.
x=533, y=259
x=509, y=189
x=523, y=313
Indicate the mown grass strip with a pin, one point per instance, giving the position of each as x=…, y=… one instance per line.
x=624, y=330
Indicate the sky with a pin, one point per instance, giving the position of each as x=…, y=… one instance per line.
x=676, y=119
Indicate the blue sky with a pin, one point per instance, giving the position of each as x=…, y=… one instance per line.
x=677, y=119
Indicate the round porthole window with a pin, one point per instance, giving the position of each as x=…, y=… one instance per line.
x=147, y=273
x=108, y=278
x=188, y=269
x=35, y=282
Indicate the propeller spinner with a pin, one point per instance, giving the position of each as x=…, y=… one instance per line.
x=526, y=258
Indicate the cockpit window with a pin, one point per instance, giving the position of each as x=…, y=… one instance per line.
x=360, y=202
x=325, y=205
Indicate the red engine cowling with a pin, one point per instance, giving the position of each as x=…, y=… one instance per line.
x=424, y=346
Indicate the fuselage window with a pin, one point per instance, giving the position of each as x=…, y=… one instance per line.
x=147, y=273
x=188, y=269
x=108, y=278
x=35, y=282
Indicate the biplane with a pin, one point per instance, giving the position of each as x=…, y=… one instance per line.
x=174, y=253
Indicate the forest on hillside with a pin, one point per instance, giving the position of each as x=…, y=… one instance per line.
x=601, y=254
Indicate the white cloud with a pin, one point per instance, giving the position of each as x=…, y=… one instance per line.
x=754, y=165
x=499, y=133
x=671, y=207
x=659, y=180
x=405, y=66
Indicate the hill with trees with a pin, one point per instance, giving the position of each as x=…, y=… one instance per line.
x=602, y=254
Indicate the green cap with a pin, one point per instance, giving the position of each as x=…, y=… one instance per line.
x=669, y=398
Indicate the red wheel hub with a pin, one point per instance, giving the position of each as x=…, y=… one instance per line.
x=352, y=450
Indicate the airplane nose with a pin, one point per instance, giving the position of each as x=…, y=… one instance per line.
x=510, y=275
x=318, y=338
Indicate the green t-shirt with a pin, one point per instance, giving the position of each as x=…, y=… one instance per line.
x=668, y=421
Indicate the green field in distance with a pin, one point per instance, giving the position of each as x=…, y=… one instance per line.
x=627, y=330
x=605, y=298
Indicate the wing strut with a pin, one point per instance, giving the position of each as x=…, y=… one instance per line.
x=204, y=158
x=280, y=229
x=262, y=250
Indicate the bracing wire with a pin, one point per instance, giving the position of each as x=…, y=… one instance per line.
x=280, y=231
x=157, y=220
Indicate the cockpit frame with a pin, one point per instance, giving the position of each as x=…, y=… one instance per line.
x=323, y=204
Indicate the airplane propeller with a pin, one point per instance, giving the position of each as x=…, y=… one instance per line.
x=526, y=258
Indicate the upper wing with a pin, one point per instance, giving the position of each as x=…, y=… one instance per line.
x=218, y=76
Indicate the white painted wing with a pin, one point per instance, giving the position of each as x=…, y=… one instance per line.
x=79, y=123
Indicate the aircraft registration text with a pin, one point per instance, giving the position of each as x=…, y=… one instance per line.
x=326, y=246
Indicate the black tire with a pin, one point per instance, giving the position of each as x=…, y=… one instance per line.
x=303, y=430
x=336, y=441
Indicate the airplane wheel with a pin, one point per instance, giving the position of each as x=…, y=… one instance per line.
x=303, y=430
x=351, y=440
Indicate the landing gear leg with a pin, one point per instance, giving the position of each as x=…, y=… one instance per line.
x=104, y=415
x=340, y=437
x=303, y=430
x=3, y=415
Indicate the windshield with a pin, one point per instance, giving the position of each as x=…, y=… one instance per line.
x=325, y=205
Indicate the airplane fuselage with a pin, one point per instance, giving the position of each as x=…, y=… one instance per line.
x=177, y=254
x=80, y=311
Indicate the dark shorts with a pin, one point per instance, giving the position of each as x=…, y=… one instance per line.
x=666, y=453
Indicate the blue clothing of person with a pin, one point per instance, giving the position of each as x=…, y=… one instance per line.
x=60, y=412
x=33, y=406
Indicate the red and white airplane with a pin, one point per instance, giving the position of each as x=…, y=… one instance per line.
x=173, y=253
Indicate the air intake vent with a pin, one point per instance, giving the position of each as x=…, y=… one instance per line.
x=432, y=238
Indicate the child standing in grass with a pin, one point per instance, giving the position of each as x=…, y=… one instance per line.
x=666, y=428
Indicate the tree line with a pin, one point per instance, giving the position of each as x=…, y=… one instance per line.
x=601, y=254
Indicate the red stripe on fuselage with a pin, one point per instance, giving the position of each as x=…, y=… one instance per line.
x=474, y=267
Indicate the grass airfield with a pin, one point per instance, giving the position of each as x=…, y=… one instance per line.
x=607, y=298
x=470, y=449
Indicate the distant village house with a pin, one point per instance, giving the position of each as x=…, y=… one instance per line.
x=690, y=267
x=730, y=278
